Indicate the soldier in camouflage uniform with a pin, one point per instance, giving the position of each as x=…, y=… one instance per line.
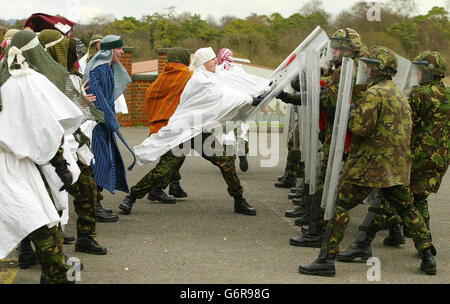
x=429, y=147
x=430, y=142
x=169, y=164
x=345, y=42
x=379, y=158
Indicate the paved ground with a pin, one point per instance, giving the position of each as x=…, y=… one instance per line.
x=201, y=240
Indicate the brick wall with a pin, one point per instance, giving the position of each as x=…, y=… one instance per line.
x=135, y=93
x=162, y=59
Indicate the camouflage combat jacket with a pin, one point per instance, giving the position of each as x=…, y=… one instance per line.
x=430, y=136
x=381, y=124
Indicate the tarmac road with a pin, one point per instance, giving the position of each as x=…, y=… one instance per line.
x=201, y=240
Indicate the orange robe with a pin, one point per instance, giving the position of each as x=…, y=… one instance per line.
x=163, y=95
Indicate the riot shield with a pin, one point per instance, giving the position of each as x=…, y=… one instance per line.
x=289, y=68
x=304, y=118
x=313, y=109
x=288, y=124
x=335, y=163
x=403, y=72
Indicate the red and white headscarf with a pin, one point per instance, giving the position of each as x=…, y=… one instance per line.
x=225, y=56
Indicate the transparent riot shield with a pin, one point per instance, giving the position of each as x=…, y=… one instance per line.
x=313, y=108
x=288, y=124
x=403, y=73
x=289, y=68
x=304, y=118
x=335, y=163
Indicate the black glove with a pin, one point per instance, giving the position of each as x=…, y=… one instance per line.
x=294, y=99
x=63, y=172
x=295, y=84
x=257, y=100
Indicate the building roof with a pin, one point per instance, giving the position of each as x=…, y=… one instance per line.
x=144, y=67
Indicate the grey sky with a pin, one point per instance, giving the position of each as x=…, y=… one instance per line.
x=89, y=8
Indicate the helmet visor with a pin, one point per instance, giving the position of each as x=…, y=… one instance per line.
x=424, y=71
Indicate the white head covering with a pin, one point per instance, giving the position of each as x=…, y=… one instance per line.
x=202, y=56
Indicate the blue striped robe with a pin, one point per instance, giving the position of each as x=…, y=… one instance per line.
x=109, y=169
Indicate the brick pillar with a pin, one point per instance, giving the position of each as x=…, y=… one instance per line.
x=162, y=59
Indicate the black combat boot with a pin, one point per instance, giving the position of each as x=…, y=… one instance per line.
x=395, y=237
x=307, y=239
x=295, y=189
x=320, y=267
x=281, y=177
x=127, y=204
x=101, y=216
x=176, y=191
x=68, y=238
x=243, y=163
x=87, y=244
x=361, y=250
x=157, y=194
x=288, y=182
x=297, y=194
x=109, y=211
x=27, y=256
x=428, y=264
x=297, y=201
x=299, y=211
x=241, y=206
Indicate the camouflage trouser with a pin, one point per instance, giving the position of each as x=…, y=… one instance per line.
x=390, y=216
x=324, y=162
x=399, y=196
x=49, y=249
x=85, y=195
x=169, y=165
x=421, y=203
x=165, y=171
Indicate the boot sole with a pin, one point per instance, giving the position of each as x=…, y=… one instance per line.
x=322, y=274
x=429, y=271
x=307, y=245
x=90, y=251
x=245, y=213
x=68, y=242
x=125, y=210
x=178, y=196
x=364, y=258
x=283, y=186
x=301, y=223
x=292, y=197
x=393, y=244
x=290, y=215
x=102, y=220
x=154, y=199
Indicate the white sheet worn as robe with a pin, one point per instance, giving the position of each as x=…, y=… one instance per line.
x=34, y=118
x=208, y=99
x=235, y=75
